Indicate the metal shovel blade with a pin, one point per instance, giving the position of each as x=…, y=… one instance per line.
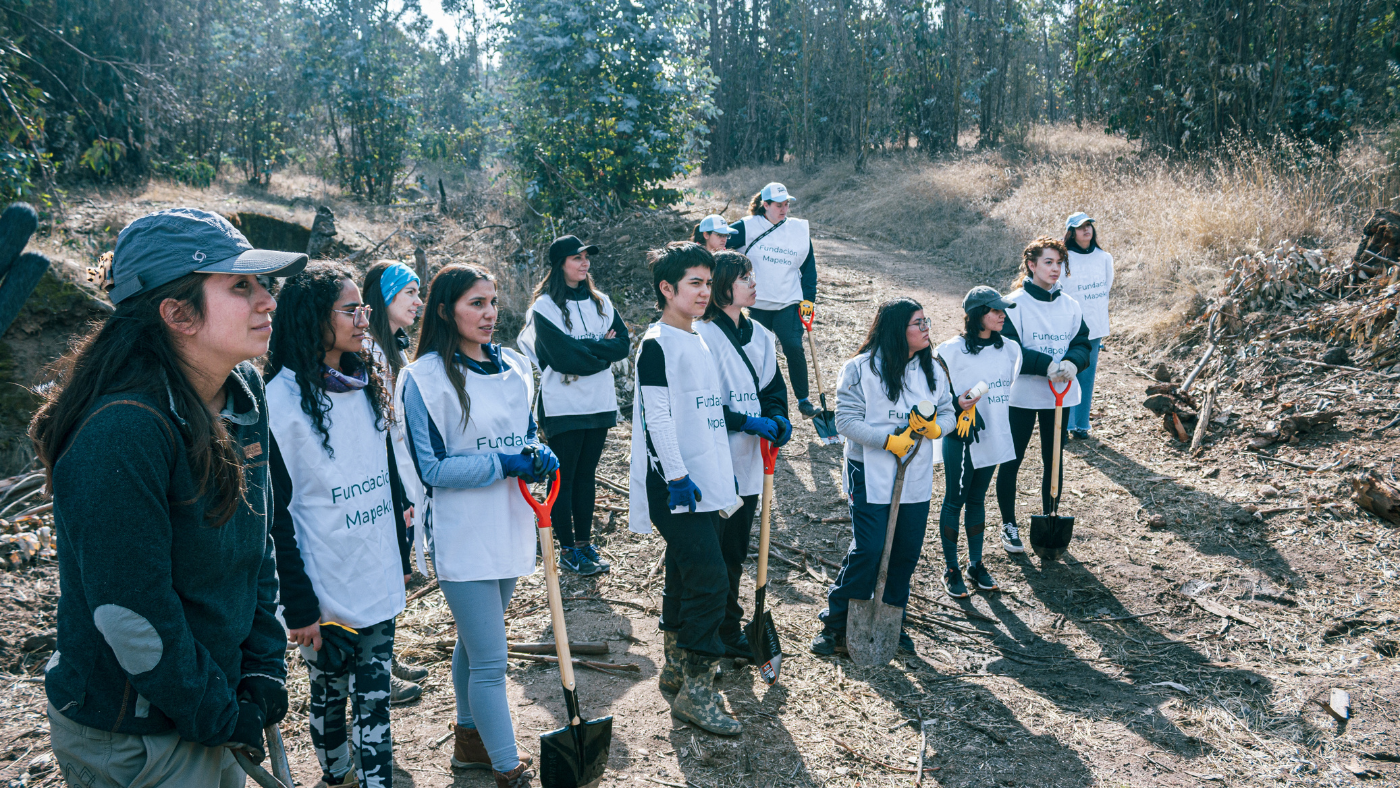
x=825, y=424
x=872, y=631
x=1050, y=535
x=763, y=639
x=575, y=756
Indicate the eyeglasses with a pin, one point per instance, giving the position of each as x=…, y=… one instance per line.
x=922, y=322
x=357, y=314
x=746, y=278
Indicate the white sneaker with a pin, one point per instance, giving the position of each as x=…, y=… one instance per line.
x=1011, y=538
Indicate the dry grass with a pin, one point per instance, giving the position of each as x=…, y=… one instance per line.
x=1172, y=225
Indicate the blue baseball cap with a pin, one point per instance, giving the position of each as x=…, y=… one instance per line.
x=1076, y=220
x=775, y=192
x=714, y=223
x=163, y=246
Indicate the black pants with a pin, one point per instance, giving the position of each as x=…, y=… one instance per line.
x=1022, y=425
x=578, y=452
x=734, y=545
x=697, y=582
x=786, y=325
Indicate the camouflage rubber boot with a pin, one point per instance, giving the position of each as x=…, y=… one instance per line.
x=519, y=777
x=468, y=750
x=698, y=703
x=671, y=676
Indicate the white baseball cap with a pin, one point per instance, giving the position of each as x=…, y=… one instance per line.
x=775, y=192
x=714, y=223
x=1076, y=220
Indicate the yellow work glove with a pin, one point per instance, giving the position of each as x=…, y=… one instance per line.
x=925, y=427
x=900, y=443
x=965, y=421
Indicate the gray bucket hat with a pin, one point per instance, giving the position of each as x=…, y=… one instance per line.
x=163, y=246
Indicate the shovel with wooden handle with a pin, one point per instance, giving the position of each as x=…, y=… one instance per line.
x=1051, y=533
x=281, y=775
x=575, y=755
x=825, y=420
x=872, y=627
x=762, y=634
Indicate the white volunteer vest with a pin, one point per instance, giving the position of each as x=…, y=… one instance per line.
x=1047, y=327
x=777, y=260
x=484, y=533
x=697, y=412
x=890, y=416
x=403, y=455
x=740, y=394
x=1088, y=281
x=572, y=395
x=998, y=368
x=342, y=509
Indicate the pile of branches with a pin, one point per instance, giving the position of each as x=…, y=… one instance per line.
x=1352, y=302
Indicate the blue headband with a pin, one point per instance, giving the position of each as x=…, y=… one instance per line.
x=395, y=278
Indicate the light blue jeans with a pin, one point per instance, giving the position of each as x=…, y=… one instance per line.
x=479, y=664
x=1079, y=414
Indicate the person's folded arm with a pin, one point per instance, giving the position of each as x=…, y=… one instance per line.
x=565, y=354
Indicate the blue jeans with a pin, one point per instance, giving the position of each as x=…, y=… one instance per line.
x=861, y=567
x=479, y=663
x=1079, y=414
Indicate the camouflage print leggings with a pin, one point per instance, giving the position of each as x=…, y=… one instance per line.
x=366, y=682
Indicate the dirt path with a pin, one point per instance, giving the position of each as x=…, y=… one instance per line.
x=1060, y=680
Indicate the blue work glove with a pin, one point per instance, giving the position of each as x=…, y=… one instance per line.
x=784, y=430
x=684, y=494
x=544, y=465
x=522, y=465
x=763, y=428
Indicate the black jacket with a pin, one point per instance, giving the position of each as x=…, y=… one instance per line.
x=161, y=614
x=568, y=355
x=1033, y=362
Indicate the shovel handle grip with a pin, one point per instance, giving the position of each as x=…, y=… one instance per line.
x=1059, y=395
x=770, y=456
x=542, y=510
x=805, y=313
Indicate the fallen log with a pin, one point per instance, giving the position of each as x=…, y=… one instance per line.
x=605, y=667
x=577, y=647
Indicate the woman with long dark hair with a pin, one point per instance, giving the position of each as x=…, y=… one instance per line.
x=1088, y=280
x=982, y=365
x=755, y=407
x=877, y=410
x=575, y=335
x=785, y=273
x=1054, y=342
x=339, y=556
x=154, y=443
x=391, y=291
x=466, y=403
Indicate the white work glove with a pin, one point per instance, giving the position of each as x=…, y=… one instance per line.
x=1062, y=372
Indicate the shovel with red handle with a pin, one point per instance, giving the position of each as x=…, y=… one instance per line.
x=825, y=420
x=762, y=634
x=576, y=755
x=1051, y=533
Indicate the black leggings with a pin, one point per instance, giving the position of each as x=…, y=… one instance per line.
x=578, y=452
x=1022, y=425
x=786, y=324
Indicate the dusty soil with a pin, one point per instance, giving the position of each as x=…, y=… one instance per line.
x=1058, y=680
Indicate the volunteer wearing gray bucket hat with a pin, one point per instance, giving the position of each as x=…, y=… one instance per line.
x=169, y=649
x=785, y=272
x=1088, y=280
x=164, y=246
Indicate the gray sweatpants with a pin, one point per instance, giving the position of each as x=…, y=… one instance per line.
x=91, y=758
x=479, y=664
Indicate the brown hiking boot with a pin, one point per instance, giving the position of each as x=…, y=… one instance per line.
x=468, y=751
x=698, y=703
x=671, y=676
x=518, y=777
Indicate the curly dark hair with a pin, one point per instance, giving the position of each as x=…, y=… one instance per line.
x=299, y=330
x=972, y=330
x=1032, y=252
x=888, y=340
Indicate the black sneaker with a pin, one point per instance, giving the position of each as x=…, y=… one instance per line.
x=1011, y=538
x=806, y=408
x=573, y=560
x=906, y=643
x=591, y=553
x=736, y=645
x=978, y=575
x=953, y=584
x=827, y=643
x=1079, y=435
